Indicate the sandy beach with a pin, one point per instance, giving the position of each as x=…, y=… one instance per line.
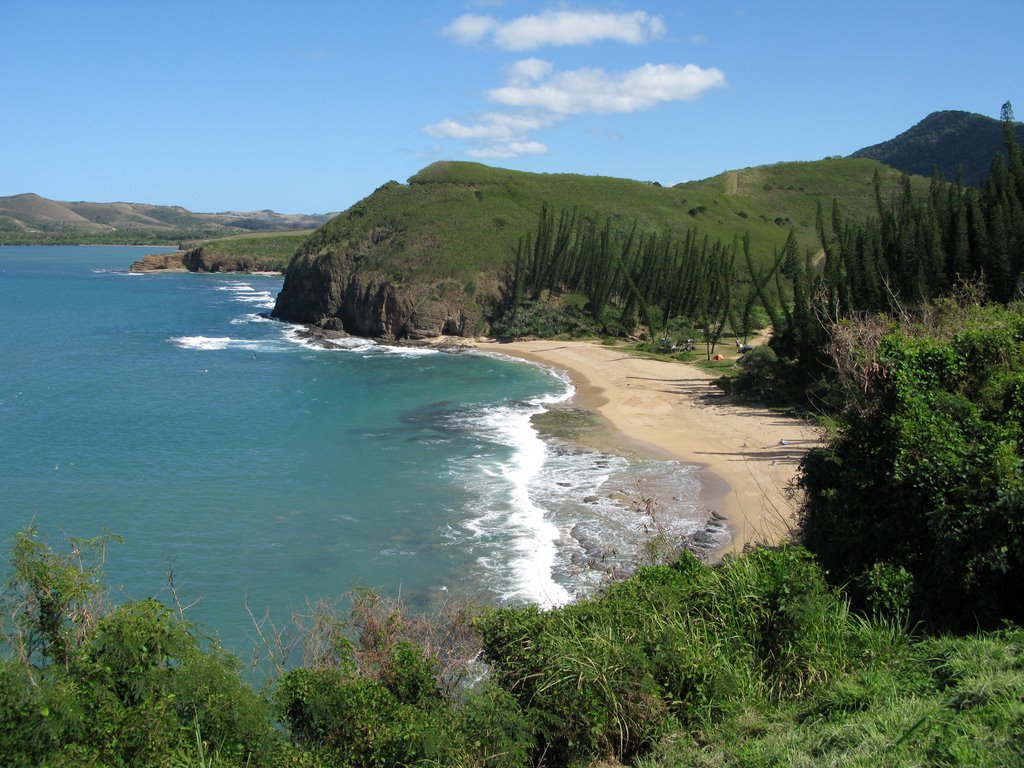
x=748, y=455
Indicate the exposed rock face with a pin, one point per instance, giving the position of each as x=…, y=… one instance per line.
x=330, y=291
x=386, y=268
x=159, y=262
x=200, y=260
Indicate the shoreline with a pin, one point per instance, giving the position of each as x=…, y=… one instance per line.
x=746, y=455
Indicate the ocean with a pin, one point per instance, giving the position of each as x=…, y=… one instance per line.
x=265, y=472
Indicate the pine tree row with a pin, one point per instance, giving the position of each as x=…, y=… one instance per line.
x=630, y=276
x=918, y=249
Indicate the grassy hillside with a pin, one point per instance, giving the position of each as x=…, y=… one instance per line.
x=788, y=194
x=454, y=220
x=29, y=219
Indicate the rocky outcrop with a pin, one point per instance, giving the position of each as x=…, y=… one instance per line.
x=202, y=259
x=159, y=262
x=413, y=261
x=332, y=292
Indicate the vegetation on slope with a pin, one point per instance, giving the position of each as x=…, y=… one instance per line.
x=954, y=142
x=925, y=475
x=787, y=195
x=455, y=219
x=450, y=236
x=753, y=662
x=914, y=249
x=580, y=270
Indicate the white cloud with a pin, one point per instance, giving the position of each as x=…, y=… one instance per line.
x=492, y=125
x=452, y=129
x=536, y=96
x=496, y=134
x=509, y=149
x=527, y=71
x=584, y=91
x=470, y=28
x=557, y=28
x=541, y=97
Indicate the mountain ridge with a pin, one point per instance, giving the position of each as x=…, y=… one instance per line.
x=29, y=218
x=947, y=140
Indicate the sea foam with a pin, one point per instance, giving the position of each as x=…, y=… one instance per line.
x=202, y=342
x=246, y=294
x=218, y=343
x=508, y=510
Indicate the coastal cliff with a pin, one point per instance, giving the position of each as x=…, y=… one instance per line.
x=202, y=259
x=259, y=252
x=399, y=265
x=160, y=262
x=332, y=291
x=426, y=258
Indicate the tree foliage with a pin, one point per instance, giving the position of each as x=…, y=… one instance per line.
x=83, y=682
x=755, y=661
x=926, y=473
x=626, y=278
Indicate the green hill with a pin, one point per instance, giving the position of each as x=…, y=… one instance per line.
x=945, y=140
x=439, y=243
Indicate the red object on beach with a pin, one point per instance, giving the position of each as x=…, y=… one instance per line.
x=718, y=357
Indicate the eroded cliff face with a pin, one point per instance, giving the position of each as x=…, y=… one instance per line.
x=334, y=292
x=201, y=260
x=159, y=262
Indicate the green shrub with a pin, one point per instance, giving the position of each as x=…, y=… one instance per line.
x=926, y=472
x=543, y=318
x=763, y=376
x=234, y=721
x=357, y=721
x=492, y=731
x=778, y=600
x=885, y=590
x=411, y=676
x=683, y=643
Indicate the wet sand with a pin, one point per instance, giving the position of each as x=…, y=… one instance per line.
x=748, y=455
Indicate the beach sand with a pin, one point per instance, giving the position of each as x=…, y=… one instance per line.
x=748, y=455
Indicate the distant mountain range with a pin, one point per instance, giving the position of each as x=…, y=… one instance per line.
x=945, y=140
x=29, y=218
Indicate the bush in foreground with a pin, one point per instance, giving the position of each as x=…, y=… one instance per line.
x=754, y=662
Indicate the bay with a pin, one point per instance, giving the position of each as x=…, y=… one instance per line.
x=267, y=473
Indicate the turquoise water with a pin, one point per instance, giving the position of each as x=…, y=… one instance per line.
x=271, y=473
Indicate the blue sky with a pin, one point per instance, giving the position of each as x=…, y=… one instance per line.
x=309, y=106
